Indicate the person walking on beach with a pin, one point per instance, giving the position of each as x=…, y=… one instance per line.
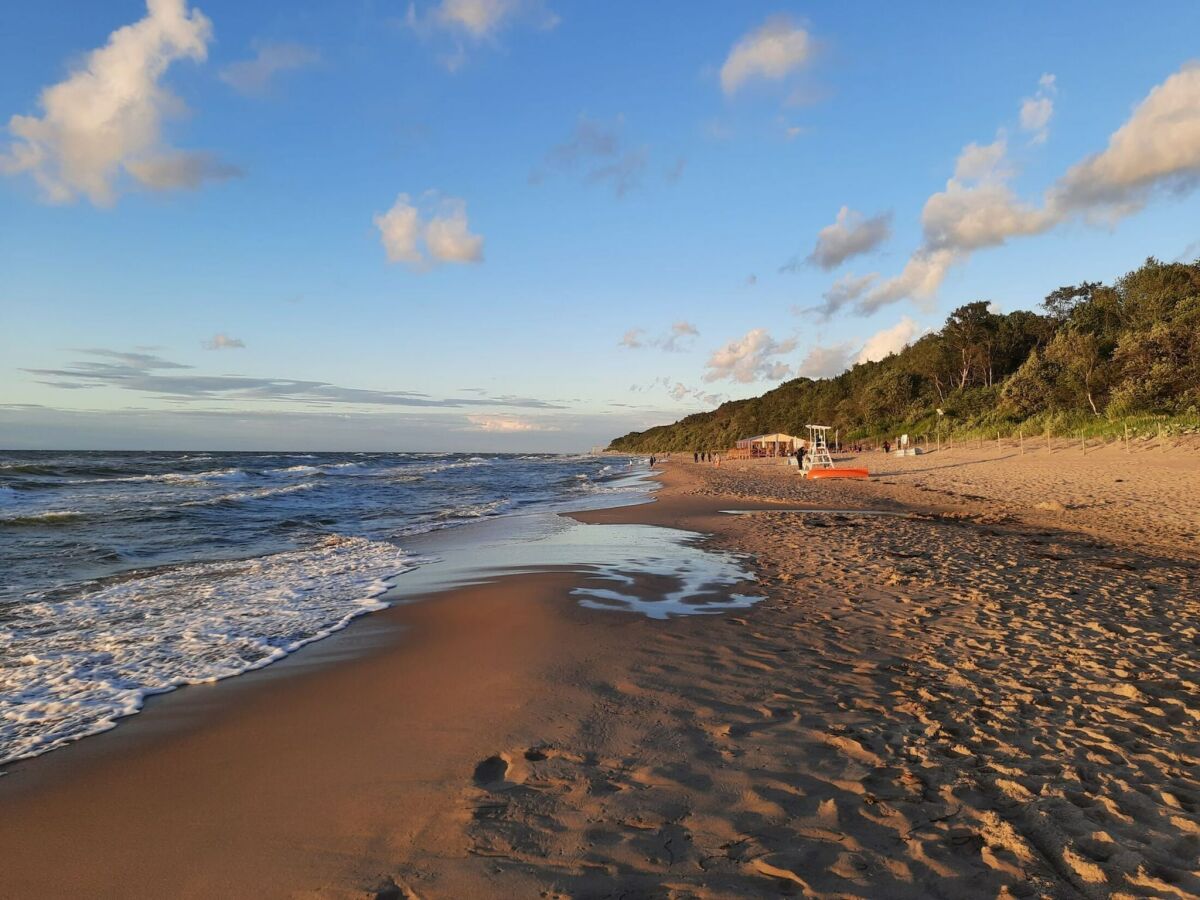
x=695, y=457
x=887, y=447
x=800, y=457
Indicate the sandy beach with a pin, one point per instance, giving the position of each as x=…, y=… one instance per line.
x=975, y=675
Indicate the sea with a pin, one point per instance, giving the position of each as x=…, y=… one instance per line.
x=124, y=575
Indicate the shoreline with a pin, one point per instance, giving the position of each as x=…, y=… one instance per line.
x=903, y=713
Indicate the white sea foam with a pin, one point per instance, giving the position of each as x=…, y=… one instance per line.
x=42, y=518
x=72, y=667
x=251, y=494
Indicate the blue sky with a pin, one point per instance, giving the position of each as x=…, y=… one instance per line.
x=511, y=224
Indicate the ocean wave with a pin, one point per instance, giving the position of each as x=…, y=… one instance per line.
x=50, y=517
x=75, y=666
x=252, y=494
x=306, y=470
x=231, y=474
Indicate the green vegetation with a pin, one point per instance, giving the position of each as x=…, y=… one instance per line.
x=1099, y=360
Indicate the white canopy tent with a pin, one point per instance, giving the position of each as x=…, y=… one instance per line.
x=776, y=444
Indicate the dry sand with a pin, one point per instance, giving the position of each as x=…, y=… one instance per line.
x=977, y=698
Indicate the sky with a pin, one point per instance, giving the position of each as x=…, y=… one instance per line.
x=539, y=224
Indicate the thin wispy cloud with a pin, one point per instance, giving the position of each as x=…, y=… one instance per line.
x=422, y=237
x=470, y=23
x=223, y=341
x=1038, y=110
x=676, y=339
x=104, y=122
x=677, y=391
x=632, y=339
x=597, y=152
x=150, y=374
x=256, y=76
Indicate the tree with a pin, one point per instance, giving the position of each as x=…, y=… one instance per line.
x=1081, y=364
x=971, y=333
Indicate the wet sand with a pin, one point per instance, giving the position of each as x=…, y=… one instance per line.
x=996, y=694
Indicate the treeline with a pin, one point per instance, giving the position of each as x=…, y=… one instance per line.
x=1097, y=353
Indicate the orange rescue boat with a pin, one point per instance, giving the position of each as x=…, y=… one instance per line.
x=837, y=473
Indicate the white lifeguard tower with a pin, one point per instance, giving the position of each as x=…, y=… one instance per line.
x=818, y=456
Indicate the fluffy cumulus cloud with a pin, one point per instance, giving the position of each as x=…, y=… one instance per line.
x=888, y=341
x=106, y=118
x=223, y=341
x=752, y=357
x=825, y=362
x=851, y=234
x=771, y=52
x=828, y=361
x=677, y=339
x=1156, y=150
x=422, y=237
x=253, y=77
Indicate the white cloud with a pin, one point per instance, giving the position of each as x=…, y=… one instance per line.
x=252, y=77
x=770, y=52
x=850, y=234
x=977, y=208
x=476, y=21
x=106, y=117
x=830, y=361
x=1036, y=111
x=888, y=341
x=921, y=277
x=420, y=240
x=1158, y=147
x=841, y=293
x=506, y=424
x=825, y=362
x=223, y=341
x=448, y=237
x=750, y=358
